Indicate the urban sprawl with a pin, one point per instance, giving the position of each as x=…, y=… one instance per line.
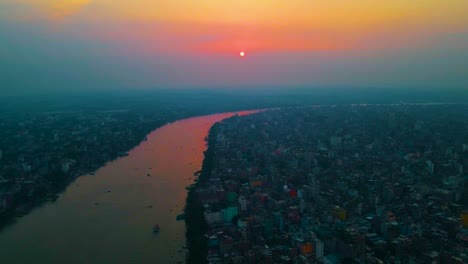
x=339, y=184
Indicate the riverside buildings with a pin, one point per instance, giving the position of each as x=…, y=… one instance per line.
x=340, y=184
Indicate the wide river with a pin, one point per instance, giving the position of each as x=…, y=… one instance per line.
x=108, y=217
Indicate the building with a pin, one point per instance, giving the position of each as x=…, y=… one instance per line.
x=464, y=218
x=319, y=248
x=243, y=203
x=306, y=248
x=213, y=217
x=229, y=213
x=339, y=212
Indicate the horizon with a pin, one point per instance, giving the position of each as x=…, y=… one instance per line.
x=222, y=100
x=99, y=45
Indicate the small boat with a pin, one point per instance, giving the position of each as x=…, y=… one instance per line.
x=190, y=187
x=52, y=197
x=156, y=228
x=180, y=217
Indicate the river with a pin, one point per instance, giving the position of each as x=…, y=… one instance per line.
x=108, y=217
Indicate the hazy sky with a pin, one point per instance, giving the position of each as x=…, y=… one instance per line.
x=134, y=44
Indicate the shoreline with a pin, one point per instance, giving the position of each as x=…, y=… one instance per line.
x=196, y=226
x=25, y=205
x=195, y=223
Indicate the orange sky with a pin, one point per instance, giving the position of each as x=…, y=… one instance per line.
x=182, y=43
x=261, y=25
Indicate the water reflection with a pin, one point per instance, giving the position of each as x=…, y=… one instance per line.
x=109, y=217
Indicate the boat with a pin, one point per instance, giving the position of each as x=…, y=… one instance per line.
x=190, y=187
x=156, y=228
x=123, y=154
x=180, y=217
x=52, y=197
x=21, y=211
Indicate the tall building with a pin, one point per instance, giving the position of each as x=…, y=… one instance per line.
x=319, y=248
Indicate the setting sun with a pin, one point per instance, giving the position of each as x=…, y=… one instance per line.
x=242, y=54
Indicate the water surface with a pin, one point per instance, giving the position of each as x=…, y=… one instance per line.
x=108, y=217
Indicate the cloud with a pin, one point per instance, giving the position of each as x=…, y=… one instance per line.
x=55, y=9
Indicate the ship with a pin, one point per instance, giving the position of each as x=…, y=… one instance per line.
x=180, y=217
x=190, y=187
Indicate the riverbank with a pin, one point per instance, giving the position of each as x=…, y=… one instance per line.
x=63, y=146
x=196, y=226
x=47, y=171
x=122, y=204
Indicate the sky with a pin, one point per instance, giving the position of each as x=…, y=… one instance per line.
x=74, y=45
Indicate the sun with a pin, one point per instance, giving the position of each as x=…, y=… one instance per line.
x=242, y=54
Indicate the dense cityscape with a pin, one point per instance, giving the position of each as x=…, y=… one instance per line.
x=334, y=184
x=234, y=132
